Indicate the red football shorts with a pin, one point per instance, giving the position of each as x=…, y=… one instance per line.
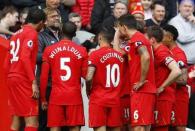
x=180, y=112
x=20, y=101
x=104, y=116
x=163, y=113
x=142, y=108
x=65, y=115
x=125, y=109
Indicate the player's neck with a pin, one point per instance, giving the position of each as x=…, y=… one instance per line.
x=4, y=24
x=156, y=45
x=131, y=32
x=104, y=44
x=172, y=45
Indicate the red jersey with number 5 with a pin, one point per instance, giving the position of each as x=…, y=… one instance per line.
x=107, y=81
x=68, y=63
x=23, y=53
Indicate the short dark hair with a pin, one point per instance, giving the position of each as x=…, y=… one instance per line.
x=128, y=20
x=73, y=14
x=107, y=33
x=171, y=29
x=6, y=10
x=158, y=2
x=35, y=15
x=69, y=29
x=156, y=32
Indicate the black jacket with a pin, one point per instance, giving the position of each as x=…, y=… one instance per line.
x=102, y=9
x=46, y=38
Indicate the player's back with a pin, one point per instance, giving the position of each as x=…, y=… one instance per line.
x=23, y=47
x=107, y=78
x=68, y=63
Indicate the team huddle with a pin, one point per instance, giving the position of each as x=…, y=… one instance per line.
x=133, y=80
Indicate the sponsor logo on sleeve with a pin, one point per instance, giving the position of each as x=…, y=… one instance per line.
x=30, y=43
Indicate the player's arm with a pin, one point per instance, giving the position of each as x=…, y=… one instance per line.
x=26, y=60
x=89, y=78
x=43, y=83
x=173, y=75
x=116, y=42
x=182, y=80
x=145, y=63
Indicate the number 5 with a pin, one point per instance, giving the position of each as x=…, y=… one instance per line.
x=66, y=68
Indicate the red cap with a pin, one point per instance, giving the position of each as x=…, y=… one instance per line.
x=138, y=9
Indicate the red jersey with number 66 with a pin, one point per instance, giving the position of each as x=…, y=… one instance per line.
x=107, y=81
x=68, y=63
x=23, y=53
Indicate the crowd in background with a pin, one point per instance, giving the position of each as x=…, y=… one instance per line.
x=91, y=15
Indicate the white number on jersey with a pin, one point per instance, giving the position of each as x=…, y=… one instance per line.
x=155, y=115
x=136, y=115
x=14, y=50
x=63, y=66
x=172, y=116
x=111, y=76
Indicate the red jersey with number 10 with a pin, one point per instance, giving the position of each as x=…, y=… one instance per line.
x=107, y=81
x=23, y=53
x=68, y=63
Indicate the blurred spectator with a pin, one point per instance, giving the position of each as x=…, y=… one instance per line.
x=8, y=18
x=49, y=36
x=171, y=9
x=185, y=24
x=64, y=6
x=102, y=9
x=84, y=8
x=81, y=35
x=26, y=3
x=138, y=13
x=147, y=8
x=76, y=19
x=120, y=8
x=158, y=14
x=132, y=4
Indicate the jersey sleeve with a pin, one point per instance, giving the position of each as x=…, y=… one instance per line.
x=26, y=53
x=181, y=60
x=93, y=61
x=44, y=75
x=84, y=64
x=165, y=58
x=125, y=47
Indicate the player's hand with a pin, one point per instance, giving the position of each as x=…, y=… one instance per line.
x=35, y=90
x=160, y=90
x=44, y=105
x=138, y=85
x=191, y=19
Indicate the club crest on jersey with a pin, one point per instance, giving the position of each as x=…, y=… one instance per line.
x=89, y=62
x=168, y=60
x=180, y=64
x=30, y=43
x=138, y=43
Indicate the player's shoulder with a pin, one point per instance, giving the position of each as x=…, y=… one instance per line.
x=139, y=39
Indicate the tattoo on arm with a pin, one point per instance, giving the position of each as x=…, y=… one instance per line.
x=90, y=74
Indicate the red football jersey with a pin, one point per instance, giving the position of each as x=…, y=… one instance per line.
x=68, y=63
x=125, y=88
x=163, y=57
x=107, y=78
x=138, y=40
x=180, y=57
x=23, y=53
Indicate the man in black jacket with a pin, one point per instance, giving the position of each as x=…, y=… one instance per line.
x=49, y=36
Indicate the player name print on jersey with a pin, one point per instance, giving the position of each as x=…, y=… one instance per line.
x=110, y=55
x=65, y=48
